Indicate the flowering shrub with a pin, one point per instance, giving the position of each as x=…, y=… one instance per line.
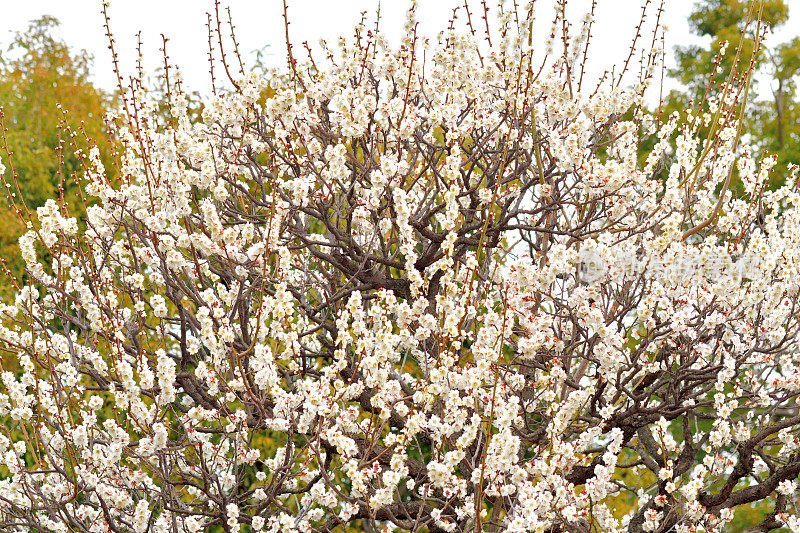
x=436, y=287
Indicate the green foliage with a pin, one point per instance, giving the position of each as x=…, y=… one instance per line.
x=50, y=109
x=722, y=20
x=711, y=17
x=776, y=122
x=772, y=119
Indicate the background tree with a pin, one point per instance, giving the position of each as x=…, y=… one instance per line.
x=775, y=121
x=50, y=110
x=721, y=22
x=772, y=115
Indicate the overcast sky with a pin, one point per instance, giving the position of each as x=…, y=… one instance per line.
x=259, y=24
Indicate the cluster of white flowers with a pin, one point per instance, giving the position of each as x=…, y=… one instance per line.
x=428, y=287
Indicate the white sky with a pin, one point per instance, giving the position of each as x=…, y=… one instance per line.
x=259, y=23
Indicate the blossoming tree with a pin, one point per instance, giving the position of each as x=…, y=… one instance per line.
x=431, y=288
